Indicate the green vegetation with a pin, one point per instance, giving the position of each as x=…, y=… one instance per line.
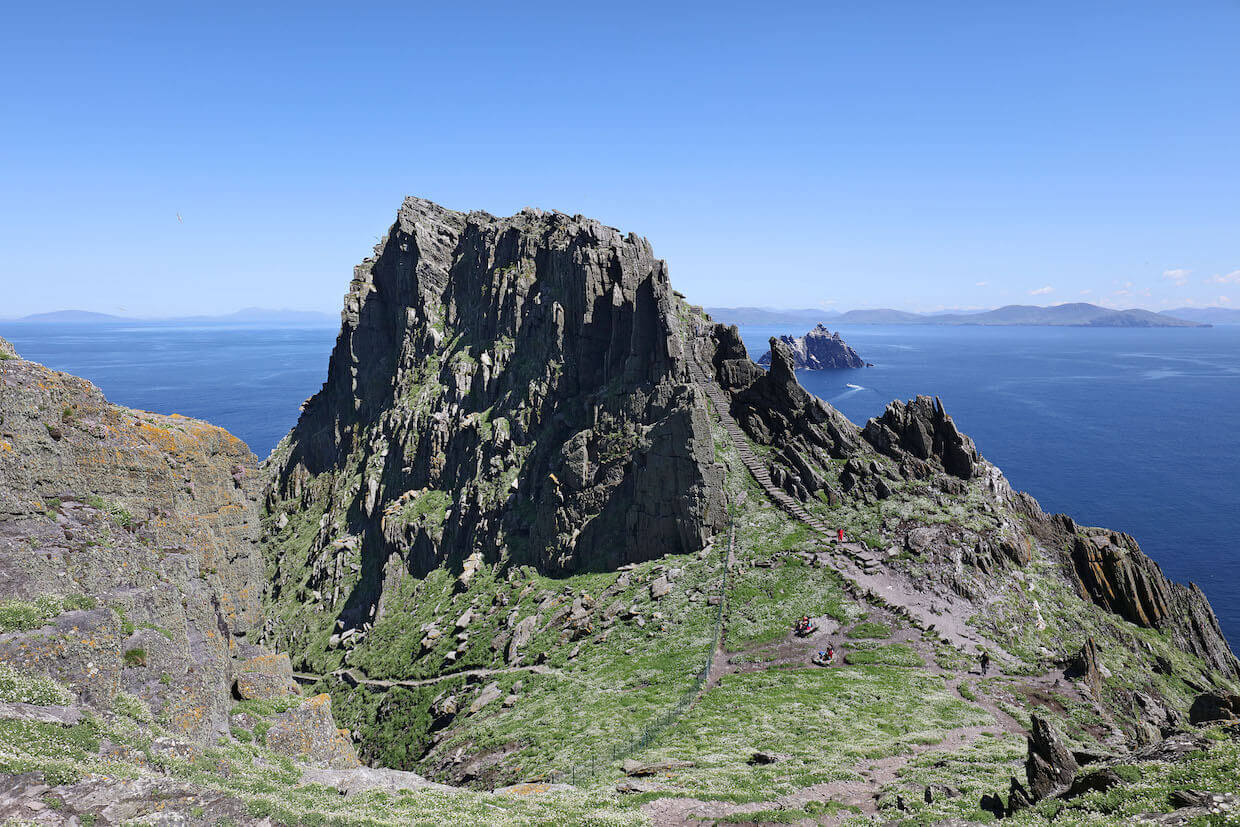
x=117, y=513
x=868, y=629
x=826, y=720
x=429, y=508
x=19, y=686
x=22, y=616
x=135, y=657
x=895, y=654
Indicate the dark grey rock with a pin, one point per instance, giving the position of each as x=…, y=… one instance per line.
x=1049, y=765
x=1214, y=706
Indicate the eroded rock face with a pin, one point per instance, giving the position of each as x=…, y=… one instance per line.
x=1050, y=766
x=1111, y=569
x=308, y=733
x=923, y=430
x=1217, y=705
x=775, y=410
x=134, y=535
x=820, y=349
x=513, y=388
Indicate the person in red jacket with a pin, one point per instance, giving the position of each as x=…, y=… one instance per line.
x=840, y=534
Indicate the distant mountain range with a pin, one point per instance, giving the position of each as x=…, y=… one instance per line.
x=1073, y=315
x=1206, y=315
x=246, y=316
x=1079, y=314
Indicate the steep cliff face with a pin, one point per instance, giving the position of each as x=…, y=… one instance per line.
x=501, y=388
x=1113, y=572
x=128, y=549
x=819, y=349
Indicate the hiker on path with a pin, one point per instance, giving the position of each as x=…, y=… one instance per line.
x=985, y=660
x=840, y=534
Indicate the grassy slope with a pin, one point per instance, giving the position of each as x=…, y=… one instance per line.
x=889, y=700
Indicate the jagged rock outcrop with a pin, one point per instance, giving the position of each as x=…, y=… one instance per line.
x=1050, y=766
x=1113, y=572
x=511, y=387
x=131, y=539
x=819, y=349
x=775, y=410
x=1084, y=666
x=921, y=429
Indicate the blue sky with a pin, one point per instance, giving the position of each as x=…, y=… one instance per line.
x=913, y=155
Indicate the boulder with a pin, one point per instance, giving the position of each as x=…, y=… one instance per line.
x=1173, y=747
x=491, y=692
x=309, y=734
x=521, y=635
x=264, y=677
x=1097, y=780
x=1049, y=765
x=367, y=779
x=660, y=587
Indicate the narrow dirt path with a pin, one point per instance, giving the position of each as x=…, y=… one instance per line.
x=895, y=602
x=947, y=616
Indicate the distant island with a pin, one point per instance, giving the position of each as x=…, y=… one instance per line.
x=1077, y=314
x=246, y=316
x=820, y=349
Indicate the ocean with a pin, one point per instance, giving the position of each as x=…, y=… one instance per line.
x=1137, y=430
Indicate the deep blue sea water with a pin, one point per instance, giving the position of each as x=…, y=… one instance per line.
x=1136, y=430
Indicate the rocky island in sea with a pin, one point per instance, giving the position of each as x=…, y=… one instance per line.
x=819, y=349
x=534, y=554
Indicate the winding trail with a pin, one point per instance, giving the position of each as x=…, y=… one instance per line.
x=892, y=596
x=944, y=614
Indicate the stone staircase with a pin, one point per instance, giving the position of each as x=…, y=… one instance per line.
x=751, y=460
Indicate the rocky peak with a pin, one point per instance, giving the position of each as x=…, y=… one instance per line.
x=923, y=430
x=819, y=349
x=6, y=350
x=512, y=387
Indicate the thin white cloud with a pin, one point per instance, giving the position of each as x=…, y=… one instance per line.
x=1227, y=278
x=1224, y=299
x=1042, y=291
x=982, y=283
x=1086, y=291
x=1178, y=276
